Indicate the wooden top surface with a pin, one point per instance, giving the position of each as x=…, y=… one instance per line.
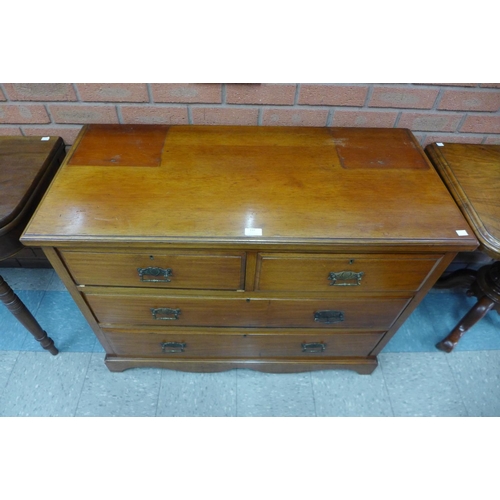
x=472, y=174
x=222, y=184
x=23, y=160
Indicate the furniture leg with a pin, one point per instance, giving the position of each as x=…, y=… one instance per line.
x=478, y=311
x=21, y=312
x=461, y=278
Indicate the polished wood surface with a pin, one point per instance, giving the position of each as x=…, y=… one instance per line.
x=472, y=174
x=27, y=166
x=285, y=345
x=311, y=272
x=213, y=183
x=23, y=163
x=244, y=227
x=135, y=308
x=188, y=269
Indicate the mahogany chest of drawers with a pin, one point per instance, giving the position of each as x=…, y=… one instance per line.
x=207, y=248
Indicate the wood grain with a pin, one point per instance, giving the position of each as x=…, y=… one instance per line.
x=472, y=174
x=245, y=345
x=309, y=272
x=214, y=182
x=134, y=309
x=212, y=271
x=251, y=221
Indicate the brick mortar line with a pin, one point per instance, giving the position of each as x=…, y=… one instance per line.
x=330, y=84
x=438, y=99
x=329, y=118
x=403, y=84
x=68, y=103
x=462, y=121
x=150, y=93
x=475, y=135
x=340, y=108
x=453, y=87
x=363, y=107
x=69, y=126
x=4, y=93
x=475, y=90
x=458, y=89
x=119, y=115
x=297, y=94
x=49, y=114
x=431, y=86
x=471, y=134
x=112, y=104
x=368, y=97
x=414, y=86
x=77, y=93
x=420, y=133
x=82, y=103
x=335, y=107
x=300, y=106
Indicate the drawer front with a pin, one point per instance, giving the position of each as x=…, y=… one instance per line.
x=365, y=313
x=342, y=273
x=210, y=271
x=248, y=345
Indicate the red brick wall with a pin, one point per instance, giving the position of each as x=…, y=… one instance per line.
x=467, y=112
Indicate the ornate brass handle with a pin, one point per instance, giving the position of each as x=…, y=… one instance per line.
x=329, y=317
x=163, y=274
x=165, y=313
x=345, y=276
x=313, y=347
x=173, y=346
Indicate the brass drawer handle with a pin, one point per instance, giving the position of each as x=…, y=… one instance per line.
x=163, y=274
x=345, y=276
x=173, y=346
x=165, y=313
x=313, y=347
x=329, y=317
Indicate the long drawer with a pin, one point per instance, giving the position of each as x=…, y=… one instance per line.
x=342, y=273
x=248, y=345
x=171, y=310
x=187, y=270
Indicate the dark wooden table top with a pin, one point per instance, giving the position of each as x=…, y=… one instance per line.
x=297, y=185
x=472, y=174
x=23, y=162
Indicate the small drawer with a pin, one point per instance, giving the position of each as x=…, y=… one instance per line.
x=342, y=273
x=173, y=311
x=204, y=271
x=304, y=345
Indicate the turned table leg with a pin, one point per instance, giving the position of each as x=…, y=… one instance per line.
x=478, y=311
x=486, y=287
x=20, y=311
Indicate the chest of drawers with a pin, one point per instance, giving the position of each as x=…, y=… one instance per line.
x=273, y=248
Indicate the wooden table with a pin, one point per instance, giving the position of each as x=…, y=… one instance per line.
x=280, y=249
x=472, y=174
x=27, y=165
